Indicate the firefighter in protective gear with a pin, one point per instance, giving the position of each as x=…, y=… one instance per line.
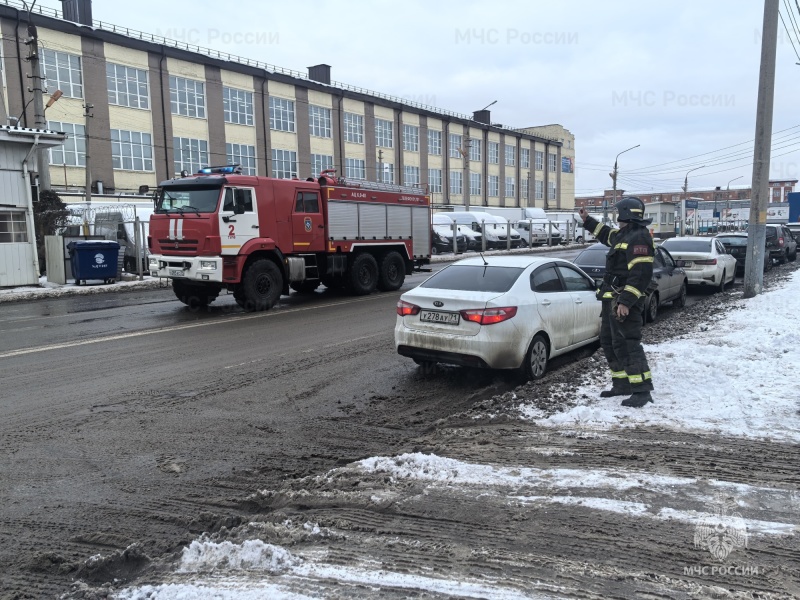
x=629, y=271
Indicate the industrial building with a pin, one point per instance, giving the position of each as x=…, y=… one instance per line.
x=161, y=106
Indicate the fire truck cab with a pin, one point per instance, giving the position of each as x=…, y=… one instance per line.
x=259, y=237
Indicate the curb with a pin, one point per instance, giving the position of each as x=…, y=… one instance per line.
x=439, y=258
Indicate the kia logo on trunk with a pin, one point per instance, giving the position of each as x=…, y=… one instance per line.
x=438, y=304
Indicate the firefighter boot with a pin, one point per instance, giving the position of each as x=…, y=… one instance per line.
x=617, y=389
x=638, y=399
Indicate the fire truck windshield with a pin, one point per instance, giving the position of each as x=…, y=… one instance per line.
x=195, y=198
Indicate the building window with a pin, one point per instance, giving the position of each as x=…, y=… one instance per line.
x=493, y=185
x=190, y=154
x=319, y=119
x=127, y=86
x=455, y=145
x=434, y=142
x=525, y=158
x=511, y=155
x=385, y=172
x=354, y=128
x=187, y=97
x=241, y=154
x=538, y=158
x=73, y=152
x=284, y=163
x=319, y=163
x=13, y=227
x=475, y=150
x=384, y=137
x=494, y=153
x=238, y=106
x=551, y=163
x=131, y=150
x=524, y=189
x=355, y=168
x=281, y=114
x=410, y=175
x=551, y=190
x=62, y=71
x=475, y=184
x=435, y=179
x=510, y=187
x=456, y=183
x=538, y=189
x=411, y=138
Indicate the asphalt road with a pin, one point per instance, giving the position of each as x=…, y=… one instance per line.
x=128, y=418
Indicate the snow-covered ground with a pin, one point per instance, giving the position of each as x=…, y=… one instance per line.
x=47, y=289
x=737, y=378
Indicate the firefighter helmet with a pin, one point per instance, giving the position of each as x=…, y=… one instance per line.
x=631, y=209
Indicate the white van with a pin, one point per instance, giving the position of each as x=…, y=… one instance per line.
x=441, y=220
x=477, y=221
x=502, y=229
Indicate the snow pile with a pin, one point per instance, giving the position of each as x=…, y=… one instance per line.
x=736, y=378
x=248, y=556
x=55, y=290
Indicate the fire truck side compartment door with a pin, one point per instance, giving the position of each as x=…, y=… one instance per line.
x=238, y=219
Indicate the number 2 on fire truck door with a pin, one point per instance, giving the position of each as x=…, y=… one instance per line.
x=238, y=219
x=308, y=232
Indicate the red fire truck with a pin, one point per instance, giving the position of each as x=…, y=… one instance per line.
x=257, y=237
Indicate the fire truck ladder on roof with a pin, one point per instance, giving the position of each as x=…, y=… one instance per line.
x=382, y=187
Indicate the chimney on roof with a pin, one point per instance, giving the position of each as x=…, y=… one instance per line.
x=321, y=73
x=482, y=116
x=77, y=11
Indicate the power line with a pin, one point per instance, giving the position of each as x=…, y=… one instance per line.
x=792, y=18
x=789, y=35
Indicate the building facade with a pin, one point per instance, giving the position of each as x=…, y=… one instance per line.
x=161, y=107
x=779, y=191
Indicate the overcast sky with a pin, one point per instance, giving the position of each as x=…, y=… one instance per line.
x=678, y=78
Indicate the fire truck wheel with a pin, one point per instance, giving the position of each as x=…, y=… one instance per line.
x=363, y=274
x=304, y=287
x=194, y=296
x=261, y=285
x=393, y=272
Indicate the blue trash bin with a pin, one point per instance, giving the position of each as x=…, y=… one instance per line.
x=95, y=259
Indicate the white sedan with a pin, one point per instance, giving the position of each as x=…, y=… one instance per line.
x=704, y=259
x=504, y=312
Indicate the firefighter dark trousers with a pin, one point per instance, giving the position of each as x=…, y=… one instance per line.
x=622, y=345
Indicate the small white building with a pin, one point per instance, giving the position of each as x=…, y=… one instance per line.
x=19, y=263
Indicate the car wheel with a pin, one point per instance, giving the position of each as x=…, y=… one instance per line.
x=784, y=257
x=363, y=274
x=579, y=240
x=768, y=263
x=722, y=282
x=434, y=250
x=261, y=285
x=536, y=359
x=793, y=256
x=651, y=310
x=680, y=301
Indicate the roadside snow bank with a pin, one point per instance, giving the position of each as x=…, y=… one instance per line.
x=736, y=378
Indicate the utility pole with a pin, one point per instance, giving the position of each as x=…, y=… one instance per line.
x=380, y=166
x=37, y=87
x=87, y=112
x=753, y=273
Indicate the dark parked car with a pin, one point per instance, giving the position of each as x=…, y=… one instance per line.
x=443, y=243
x=669, y=280
x=736, y=245
x=781, y=243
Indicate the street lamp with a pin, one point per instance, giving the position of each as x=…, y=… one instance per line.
x=614, y=179
x=727, y=192
x=683, y=204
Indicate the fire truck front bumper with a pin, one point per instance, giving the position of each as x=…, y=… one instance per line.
x=193, y=268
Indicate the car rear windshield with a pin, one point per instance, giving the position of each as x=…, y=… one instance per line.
x=733, y=241
x=688, y=245
x=591, y=258
x=474, y=278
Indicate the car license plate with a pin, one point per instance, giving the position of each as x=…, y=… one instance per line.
x=176, y=272
x=433, y=316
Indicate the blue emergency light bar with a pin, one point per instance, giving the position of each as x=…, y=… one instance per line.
x=229, y=169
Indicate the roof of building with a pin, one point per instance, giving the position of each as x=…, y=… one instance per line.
x=160, y=42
